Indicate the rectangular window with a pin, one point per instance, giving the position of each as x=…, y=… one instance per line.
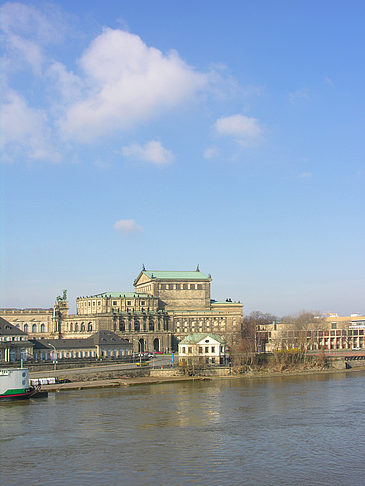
x=99, y=303
x=129, y=302
x=183, y=349
x=185, y=286
x=207, y=349
x=190, y=350
x=192, y=286
x=143, y=302
x=213, y=349
x=334, y=325
x=114, y=302
x=200, y=349
x=200, y=287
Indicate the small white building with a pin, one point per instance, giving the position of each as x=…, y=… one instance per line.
x=202, y=348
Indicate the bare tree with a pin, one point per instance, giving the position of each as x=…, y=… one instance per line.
x=302, y=330
x=249, y=341
x=294, y=337
x=254, y=329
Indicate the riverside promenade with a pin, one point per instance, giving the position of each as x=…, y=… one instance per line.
x=113, y=375
x=119, y=382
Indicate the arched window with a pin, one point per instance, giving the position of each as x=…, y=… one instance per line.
x=71, y=327
x=76, y=327
x=90, y=327
x=43, y=328
x=34, y=328
x=82, y=327
x=156, y=344
x=25, y=327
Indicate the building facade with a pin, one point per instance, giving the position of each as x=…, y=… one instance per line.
x=14, y=344
x=202, y=349
x=163, y=308
x=102, y=344
x=332, y=332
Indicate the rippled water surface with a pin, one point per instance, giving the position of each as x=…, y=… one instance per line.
x=272, y=431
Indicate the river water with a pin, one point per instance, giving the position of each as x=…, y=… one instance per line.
x=304, y=430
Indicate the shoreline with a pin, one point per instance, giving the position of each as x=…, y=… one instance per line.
x=158, y=380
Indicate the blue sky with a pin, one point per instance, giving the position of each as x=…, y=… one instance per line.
x=229, y=134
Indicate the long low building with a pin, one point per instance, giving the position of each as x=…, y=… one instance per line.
x=164, y=307
x=102, y=344
x=332, y=332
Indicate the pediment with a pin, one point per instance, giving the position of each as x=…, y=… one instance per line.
x=207, y=341
x=141, y=279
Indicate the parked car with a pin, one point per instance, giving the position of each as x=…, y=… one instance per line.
x=142, y=363
x=62, y=380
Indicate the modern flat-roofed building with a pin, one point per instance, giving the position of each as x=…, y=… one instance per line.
x=331, y=332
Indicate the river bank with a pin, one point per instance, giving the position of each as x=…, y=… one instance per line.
x=118, y=382
x=125, y=381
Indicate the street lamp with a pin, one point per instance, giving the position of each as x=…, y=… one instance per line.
x=55, y=356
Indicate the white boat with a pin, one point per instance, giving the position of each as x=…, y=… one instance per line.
x=14, y=384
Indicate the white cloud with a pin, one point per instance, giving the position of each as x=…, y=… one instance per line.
x=127, y=226
x=25, y=30
x=129, y=84
x=298, y=95
x=152, y=152
x=304, y=175
x=24, y=129
x=119, y=83
x=29, y=51
x=245, y=130
x=211, y=152
x=67, y=84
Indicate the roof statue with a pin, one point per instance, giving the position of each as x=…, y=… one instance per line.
x=63, y=297
x=197, y=268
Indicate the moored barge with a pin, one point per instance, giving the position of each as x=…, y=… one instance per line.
x=14, y=385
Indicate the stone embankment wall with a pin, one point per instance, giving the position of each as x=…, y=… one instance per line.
x=166, y=372
x=92, y=375
x=211, y=371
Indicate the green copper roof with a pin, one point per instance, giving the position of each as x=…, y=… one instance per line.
x=122, y=294
x=176, y=275
x=197, y=337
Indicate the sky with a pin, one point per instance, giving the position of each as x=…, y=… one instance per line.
x=171, y=134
